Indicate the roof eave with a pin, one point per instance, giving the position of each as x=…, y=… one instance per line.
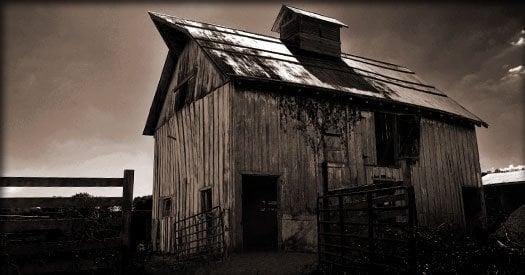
x=167, y=71
x=478, y=123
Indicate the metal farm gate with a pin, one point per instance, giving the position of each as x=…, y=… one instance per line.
x=196, y=238
x=366, y=230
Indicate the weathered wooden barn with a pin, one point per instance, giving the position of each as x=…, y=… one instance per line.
x=261, y=126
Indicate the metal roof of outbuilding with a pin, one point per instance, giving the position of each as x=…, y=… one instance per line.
x=504, y=178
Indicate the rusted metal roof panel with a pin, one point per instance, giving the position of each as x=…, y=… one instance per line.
x=244, y=54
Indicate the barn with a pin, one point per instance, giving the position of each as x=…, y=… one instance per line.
x=260, y=126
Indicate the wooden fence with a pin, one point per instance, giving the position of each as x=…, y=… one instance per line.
x=55, y=234
x=367, y=230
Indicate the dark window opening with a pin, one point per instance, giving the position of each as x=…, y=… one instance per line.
x=385, y=139
x=206, y=200
x=408, y=134
x=183, y=89
x=397, y=137
x=166, y=207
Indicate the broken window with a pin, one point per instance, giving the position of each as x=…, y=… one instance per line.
x=397, y=137
x=166, y=207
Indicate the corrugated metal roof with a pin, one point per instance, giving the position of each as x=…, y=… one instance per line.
x=247, y=55
x=504, y=177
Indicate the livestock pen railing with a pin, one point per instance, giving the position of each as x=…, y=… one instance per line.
x=199, y=237
x=65, y=234
x=370, y=230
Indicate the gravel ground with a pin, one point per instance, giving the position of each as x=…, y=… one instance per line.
x=245, y=263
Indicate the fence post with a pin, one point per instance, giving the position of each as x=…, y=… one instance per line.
x=127, y=205
x=341, y=229
x=370, y=212
x=412, y=221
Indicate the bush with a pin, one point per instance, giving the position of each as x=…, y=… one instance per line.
x=142, y=203
x=448, y=251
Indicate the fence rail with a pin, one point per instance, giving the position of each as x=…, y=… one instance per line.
x=32, y=234
x=370, y=229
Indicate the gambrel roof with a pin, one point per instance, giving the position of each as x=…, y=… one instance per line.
x=244, y=55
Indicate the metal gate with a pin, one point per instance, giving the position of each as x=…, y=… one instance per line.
x=369, y=230
x=200, y=237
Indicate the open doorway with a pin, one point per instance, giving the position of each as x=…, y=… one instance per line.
x=259, y=212
x=474, y=213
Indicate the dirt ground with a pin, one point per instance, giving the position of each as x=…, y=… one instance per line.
x=245, y=263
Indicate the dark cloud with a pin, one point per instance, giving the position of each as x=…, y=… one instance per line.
x=79, y=79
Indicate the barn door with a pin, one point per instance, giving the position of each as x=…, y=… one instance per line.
x=335, y=165
x=259, y=212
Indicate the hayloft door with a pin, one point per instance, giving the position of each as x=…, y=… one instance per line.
x=259, y=212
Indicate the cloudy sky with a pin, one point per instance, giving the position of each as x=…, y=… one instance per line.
x=78, y=80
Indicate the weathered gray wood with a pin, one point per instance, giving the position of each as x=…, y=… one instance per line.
x=228, y=130
x=59, y=182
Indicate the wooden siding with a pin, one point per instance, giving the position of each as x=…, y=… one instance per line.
x=193, y=153
x=191, y=145
x=284, y=135
x=276, y=134
x=448, y=160
x=205, y=80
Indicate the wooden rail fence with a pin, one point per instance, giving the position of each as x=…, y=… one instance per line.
x=366, y=230
x=38, y=237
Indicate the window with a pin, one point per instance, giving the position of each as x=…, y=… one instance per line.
x=206, y=200
x=385, y=139
x=183, y=89
x=408, y=136
x=397, y=137
x=166, y=207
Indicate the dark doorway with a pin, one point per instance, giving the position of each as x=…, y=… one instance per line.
x=259, y=212
x=473, y=206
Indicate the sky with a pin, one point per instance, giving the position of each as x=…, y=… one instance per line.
x=78, y=79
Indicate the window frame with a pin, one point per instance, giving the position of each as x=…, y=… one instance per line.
x=396, y=139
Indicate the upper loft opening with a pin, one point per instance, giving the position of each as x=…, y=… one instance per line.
x=308, y=31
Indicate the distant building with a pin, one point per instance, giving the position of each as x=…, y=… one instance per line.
x=262, y=126
x=504, y=192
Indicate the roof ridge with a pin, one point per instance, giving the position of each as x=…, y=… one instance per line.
x=273, y=38
x=221, y=26
x=322, y=15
